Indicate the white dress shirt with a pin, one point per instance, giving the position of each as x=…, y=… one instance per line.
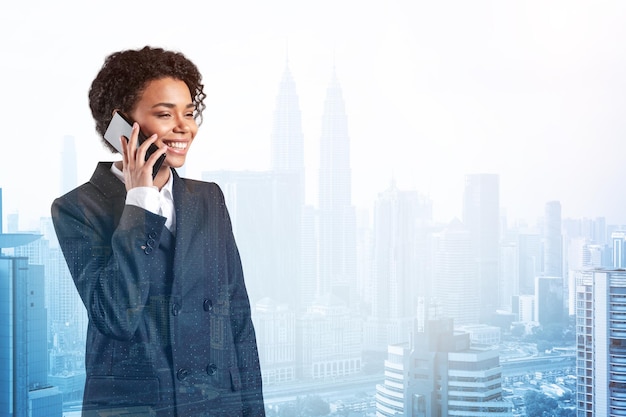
x=151, y=199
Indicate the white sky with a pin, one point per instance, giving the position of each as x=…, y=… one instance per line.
x=532, y=90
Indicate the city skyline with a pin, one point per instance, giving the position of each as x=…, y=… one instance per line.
x=532, y=92
x=425, y=96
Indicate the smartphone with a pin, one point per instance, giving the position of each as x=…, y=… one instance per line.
x=122, y=126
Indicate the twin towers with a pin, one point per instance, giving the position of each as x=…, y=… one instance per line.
x=294, y=253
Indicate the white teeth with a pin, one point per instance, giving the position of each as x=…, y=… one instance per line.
x=177, y=145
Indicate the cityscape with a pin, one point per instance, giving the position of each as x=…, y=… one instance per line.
x=377, y=311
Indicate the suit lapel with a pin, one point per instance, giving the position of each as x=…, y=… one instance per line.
x=111, y=187
x=188, y=222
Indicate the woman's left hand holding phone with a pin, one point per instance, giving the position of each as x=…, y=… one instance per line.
x=137, y=170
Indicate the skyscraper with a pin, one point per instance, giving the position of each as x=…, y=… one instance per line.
x=618, y=238
x=454, y=284
x=337, y=219
x=287, y=137
x=481, y=216
x=288, y=190
x=601, y=343
x=401, y=262
x=266, y=207
x=440, y=373
x=530, y=260
x=24, y=388
x=549, y=300
x=553, y=247
x=552, y=240
x=508, y=286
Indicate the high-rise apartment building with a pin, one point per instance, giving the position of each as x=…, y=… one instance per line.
x=481, y=216
x=337, y=218
x=601, y=343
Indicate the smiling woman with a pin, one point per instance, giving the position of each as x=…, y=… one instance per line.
x=166, y=112
x=155, y=260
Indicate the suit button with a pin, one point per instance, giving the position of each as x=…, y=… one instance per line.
x=150, y=243
x=152, y=235
x=182, y=374
x=175, y=309
x=211, y=369
x=207, y=305
x=147, y=250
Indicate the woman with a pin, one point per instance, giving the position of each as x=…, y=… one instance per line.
x=155, y=261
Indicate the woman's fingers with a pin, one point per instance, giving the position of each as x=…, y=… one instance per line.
x=138, y=170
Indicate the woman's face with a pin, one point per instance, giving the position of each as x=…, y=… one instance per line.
x=166, y=108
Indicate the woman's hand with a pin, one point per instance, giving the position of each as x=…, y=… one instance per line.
x=137, y=170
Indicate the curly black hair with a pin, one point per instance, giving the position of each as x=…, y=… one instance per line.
x=125, y=74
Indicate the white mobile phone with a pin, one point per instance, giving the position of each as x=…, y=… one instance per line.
x=122, y=126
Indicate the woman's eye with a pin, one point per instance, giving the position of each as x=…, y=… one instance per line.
x=163, y=115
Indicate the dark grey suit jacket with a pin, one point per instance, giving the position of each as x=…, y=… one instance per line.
x=169, y=318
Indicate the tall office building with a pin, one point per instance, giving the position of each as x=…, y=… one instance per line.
x=287, y=167
x=249, y=200
x=601, y=343
x=552, y=240
x=442, y=374
x=337, y=219
x=530, y=260
x=24, y=388
x=524, y=308
x=508, y=286
x=454, y=284
x=549, y=300
x=266, y=208
x=553, y=243
x=287, y=137
x=481, y=216
x=67, y=317
x=599, y=231
x=618, y=239
x=401, y=262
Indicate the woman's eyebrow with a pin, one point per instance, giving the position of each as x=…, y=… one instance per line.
x=172, y=105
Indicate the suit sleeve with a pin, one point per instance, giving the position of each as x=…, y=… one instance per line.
x=243, y=329
x=110, y=265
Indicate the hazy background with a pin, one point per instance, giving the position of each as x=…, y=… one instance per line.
x=534, y=91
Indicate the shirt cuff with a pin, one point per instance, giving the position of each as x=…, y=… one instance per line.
x=146, y=198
